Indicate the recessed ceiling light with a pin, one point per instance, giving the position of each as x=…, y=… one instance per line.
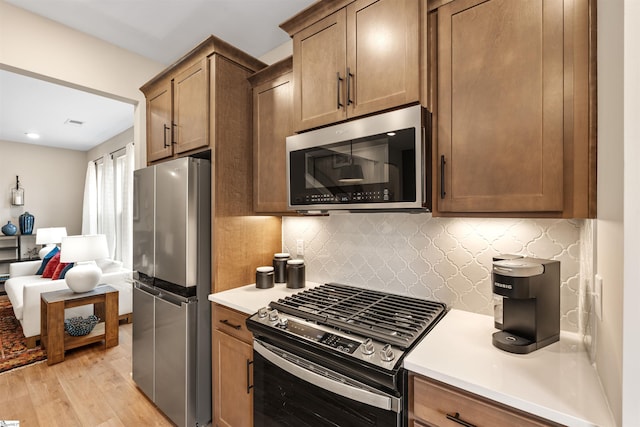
x=32, y=135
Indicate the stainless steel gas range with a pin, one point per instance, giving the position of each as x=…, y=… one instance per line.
x=332, y=356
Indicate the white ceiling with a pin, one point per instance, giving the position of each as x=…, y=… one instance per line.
x=161, y=30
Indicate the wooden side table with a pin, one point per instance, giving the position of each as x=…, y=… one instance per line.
x=52, y=335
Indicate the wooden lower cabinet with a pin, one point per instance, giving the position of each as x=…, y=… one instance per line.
x=432, y=403
x=232, y=369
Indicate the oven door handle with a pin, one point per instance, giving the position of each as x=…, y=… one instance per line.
x=361, y=395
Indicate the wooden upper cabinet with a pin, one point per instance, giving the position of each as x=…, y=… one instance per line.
x=182, y=118
x=272, y=123
x=319, y=67
x=191, y=107
x=159, y=114
x=382, y=55
x=512, y=115
x=356, y=60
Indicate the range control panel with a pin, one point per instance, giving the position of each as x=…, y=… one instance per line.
x=374, y=352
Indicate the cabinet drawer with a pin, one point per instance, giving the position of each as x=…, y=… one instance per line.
x=435, y=404
x=231, y=322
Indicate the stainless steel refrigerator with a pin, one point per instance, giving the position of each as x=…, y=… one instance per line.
x=172, y=260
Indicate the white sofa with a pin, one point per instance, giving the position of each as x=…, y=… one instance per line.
x=24, y=288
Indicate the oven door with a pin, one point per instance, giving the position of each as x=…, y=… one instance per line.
x=291, y=391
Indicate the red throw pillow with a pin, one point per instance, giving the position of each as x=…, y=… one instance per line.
x=59, y=268
x=51, y=266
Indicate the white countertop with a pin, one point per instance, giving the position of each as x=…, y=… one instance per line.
x=556, y=382
x=249, y=299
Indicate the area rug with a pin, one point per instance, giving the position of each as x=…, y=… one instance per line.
x=13, y=345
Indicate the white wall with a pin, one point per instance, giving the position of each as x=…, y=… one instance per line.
x=53, y=181
x=631, y=317
x=610, y=225
x=37, y=45
x=112, y=144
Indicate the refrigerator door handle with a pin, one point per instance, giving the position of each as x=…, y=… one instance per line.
x=173, y=299
x=146, y=289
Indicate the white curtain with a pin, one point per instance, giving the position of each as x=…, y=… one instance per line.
x=90, y=202
x=107, y=208
x=126, y=243
x=108, y=203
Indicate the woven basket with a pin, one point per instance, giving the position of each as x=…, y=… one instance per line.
x=79, y=326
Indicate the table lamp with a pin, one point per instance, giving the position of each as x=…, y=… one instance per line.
x=83, y=250
x=49, y=237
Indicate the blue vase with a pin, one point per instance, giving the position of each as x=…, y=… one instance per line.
x=26, y=223
x=9, y=229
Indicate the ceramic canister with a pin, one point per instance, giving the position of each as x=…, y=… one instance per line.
x=295, y=274
x=264, y=277
x=280, y=266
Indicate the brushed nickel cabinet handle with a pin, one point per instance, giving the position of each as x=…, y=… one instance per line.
x=174, y=139
x=338, y=80
x=226, y=322
x=442, y=163
x=166, y=128
x=249, y=385
x=349, y=76
x=456, y=419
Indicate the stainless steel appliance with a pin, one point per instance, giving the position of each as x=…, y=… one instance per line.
x=332, y=355
x=172, y=258
x=376, y=162
x=528, y=291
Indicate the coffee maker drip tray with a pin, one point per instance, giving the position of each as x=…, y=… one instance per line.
x=512, y=343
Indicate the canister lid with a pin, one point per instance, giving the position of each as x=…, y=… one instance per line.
x=264, y=269
x=517, y=268
x=281, y=255
x=295, y=262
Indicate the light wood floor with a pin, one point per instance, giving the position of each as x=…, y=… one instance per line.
x=92, y=387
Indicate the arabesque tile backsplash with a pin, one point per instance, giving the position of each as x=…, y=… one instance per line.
x=447, y=259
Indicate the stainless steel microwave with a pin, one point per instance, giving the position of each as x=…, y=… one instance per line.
x=377, y=162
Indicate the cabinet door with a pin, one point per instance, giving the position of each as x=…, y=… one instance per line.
x=272, y=123
x=319, y=53
x=382, y=55
x=500, y=106
x=233, y=399
x=191, y=107
x=159, y=112
x=438, y=404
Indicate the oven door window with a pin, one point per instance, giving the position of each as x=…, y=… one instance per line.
x=282, y=399
x=376, y=169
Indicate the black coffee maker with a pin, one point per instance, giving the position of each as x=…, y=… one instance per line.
x=526, y=303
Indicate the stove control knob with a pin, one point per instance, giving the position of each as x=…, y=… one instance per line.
x=367, y=347
x=262, y=313
x=273, y=315
x=283, y=322
x=386, y=353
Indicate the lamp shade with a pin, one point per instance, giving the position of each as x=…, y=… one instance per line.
x=45, y=236
x=84, y=248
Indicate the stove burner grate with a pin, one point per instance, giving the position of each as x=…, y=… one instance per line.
x=394, y=319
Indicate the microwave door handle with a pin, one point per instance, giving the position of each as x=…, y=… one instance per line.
x=367, y=397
